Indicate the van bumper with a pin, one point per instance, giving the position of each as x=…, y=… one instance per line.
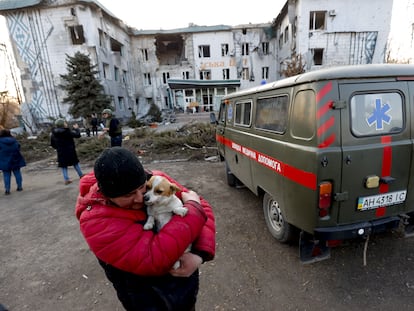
x=360, y=229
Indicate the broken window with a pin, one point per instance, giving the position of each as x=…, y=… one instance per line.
x=144, y=53
x=101, y=38
x=124, y=76
x=317, y=20
x=265, y=48
x=205, y=75
x=106, y=73
x=76, y=33
x=295, y=27
x=203, y=51
x=317, y=56
x=147, y=79
x=265, y=73
x=121, y=103
x=165, y=77
x=226, y=74
x=224, y=49
x=116, y=46
x=286, y=34
x=245, y=49
x=116, y=73
x=245, y=74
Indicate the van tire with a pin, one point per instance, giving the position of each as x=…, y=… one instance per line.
x=231, y=179
x=276, y=223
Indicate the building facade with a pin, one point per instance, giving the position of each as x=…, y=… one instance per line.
x=328, y=33
x=188, y=68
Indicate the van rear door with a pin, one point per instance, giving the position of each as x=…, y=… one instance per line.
x=376, y=154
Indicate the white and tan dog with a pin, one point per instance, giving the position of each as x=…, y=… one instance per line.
x=162, y=203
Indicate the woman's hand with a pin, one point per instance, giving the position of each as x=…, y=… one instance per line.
x=190, y=196
x=188, y=264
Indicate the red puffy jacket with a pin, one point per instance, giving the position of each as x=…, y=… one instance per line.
x=116, y=235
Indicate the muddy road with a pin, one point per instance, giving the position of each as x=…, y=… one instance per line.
x=46, y=265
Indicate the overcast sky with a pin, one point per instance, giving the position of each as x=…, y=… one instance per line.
x=153, y=14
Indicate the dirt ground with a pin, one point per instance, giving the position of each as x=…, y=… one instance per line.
x=46, y=265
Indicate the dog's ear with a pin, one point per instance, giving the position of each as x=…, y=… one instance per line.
x=149, y=182
x=174, y=188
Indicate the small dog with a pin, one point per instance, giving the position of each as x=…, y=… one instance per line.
x=162, y=203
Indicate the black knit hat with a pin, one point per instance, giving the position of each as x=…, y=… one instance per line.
x=118, y=172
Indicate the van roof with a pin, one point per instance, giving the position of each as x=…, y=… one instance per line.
x=332, y=73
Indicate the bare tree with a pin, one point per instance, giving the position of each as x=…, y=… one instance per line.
x=9, y=109
x=293, y=66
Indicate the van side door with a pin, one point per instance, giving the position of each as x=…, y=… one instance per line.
x=221, y=127
x=376, y=150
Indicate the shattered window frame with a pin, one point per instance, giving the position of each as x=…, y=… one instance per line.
x=317, y=56
x=226, y=74
x=165, y=77
x=265, y=48
x=224, y=49
x=77, y=34
x=203, y=51
x=205, y=74
x=245, y=73
x=144, y=54
x=265, y=72
x=245, y=49
x=147, y=79
x=317, y=20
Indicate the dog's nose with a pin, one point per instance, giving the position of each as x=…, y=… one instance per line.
x=146, y=198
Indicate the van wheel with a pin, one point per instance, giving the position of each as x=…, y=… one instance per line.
x=231, y=179
x=278, y=227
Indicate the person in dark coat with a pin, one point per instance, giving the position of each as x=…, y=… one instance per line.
x=62, y=140
x=11, y=160
x=112, y=127
x=94, y=124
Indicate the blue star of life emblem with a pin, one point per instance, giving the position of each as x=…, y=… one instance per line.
x=380, y=115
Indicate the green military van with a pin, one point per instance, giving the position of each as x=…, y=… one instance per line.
x=330, y=152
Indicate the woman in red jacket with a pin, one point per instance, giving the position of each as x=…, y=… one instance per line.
x=111, y=212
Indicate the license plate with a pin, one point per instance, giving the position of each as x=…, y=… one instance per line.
x=384, y=199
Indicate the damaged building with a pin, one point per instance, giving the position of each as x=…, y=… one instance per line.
x=185, y=69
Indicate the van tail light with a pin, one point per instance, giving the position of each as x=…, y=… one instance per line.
x=333, y=243
x=325, y=198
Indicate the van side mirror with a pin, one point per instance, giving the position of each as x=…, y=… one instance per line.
x=213, y=119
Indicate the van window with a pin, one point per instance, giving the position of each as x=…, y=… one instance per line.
x=271, y=113
x=304, y=115
x=243, y=113
x=376, y=114
x=222, y=113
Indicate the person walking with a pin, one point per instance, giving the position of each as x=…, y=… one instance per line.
x=111, y=211
x=113, y=127
x=62, y=140
x=11, y=160
x=94, y=124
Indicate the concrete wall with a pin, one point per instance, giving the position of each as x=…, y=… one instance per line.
x=355, y=32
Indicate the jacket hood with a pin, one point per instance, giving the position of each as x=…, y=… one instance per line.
x=88, y=193
x=8, y=140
